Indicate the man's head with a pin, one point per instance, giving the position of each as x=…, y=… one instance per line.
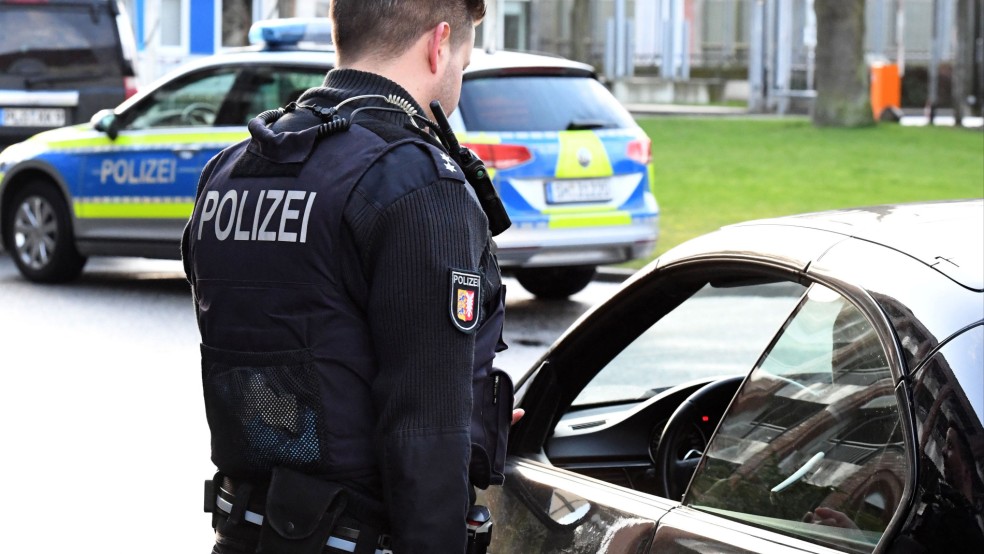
x=423, y=45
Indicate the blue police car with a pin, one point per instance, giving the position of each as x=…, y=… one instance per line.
x=572, y=167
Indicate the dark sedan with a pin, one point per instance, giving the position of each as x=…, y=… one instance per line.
x=812, y=383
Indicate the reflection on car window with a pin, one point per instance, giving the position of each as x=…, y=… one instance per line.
x=715, y=332
x=193, y=101
x=273, y=87
x=540, y=103
x=947, y=394
x=812, y=445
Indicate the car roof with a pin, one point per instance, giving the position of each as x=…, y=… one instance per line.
x=483, y=63
x=488, y=62
x=947, y=236
x=256, y=54
x=914, y=230
x=247, y=55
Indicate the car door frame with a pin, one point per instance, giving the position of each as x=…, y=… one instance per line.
x=542, y=386
x=711, y=531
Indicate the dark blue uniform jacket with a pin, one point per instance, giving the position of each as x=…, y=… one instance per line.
x=350, y=306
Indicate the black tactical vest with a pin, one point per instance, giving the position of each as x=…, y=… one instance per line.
x=286, y=356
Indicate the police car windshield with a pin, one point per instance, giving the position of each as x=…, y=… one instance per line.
x=539, y=103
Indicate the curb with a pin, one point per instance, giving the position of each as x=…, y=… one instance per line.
x=685, y=110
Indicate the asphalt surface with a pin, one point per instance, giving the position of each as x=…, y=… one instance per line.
x=105, y=438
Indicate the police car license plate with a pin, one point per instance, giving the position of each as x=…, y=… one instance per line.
x=579, y=190
x=32, y=117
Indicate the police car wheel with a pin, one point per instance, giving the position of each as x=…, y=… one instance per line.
x=555, y=283
x=39, y=234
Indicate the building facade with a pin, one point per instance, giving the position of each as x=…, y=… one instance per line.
x=671, y=39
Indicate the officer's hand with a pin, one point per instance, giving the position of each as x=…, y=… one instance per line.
x=517, y=415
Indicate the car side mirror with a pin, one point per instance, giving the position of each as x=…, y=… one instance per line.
x=105, y=121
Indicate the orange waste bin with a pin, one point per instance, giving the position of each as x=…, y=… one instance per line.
x=886, y=89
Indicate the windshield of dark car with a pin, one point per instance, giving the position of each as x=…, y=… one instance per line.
x=41, y=42
x=539, y=103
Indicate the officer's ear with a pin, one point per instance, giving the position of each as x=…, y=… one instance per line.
x=439, y=46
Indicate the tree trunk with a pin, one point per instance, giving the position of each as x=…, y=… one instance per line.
x=963, y=63
x=843, y=97
x=237, y=16
x=581, y=31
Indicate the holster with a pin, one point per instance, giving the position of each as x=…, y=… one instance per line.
x=301, y=512
x=492, y=393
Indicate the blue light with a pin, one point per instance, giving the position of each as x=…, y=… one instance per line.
x=290, y=31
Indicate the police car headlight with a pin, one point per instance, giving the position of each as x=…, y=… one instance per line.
x=16, y=153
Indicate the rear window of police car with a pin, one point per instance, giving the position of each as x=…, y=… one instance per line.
x=45, y=44
x=539, y=103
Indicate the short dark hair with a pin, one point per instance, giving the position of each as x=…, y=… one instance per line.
x=389, y=27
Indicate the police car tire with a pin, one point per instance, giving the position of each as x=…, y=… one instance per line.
x=555, y=283
x=64, y=263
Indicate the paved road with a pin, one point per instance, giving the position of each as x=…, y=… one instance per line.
x=103, y=421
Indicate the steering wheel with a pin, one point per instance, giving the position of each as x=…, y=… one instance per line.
x=674, y=465
x=198, y=113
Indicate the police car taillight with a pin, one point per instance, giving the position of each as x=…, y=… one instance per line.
x=501, y=156
x=640, y=150
x=130, y=86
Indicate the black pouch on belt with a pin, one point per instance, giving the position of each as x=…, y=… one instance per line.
x=301, y=512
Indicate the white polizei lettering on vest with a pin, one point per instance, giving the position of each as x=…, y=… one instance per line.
x=208, y=209
x=228, y=212
x=220, y=232
x=277, y=196
x=256, y=214
x=240, y=234
x=288, y=214
x=307, y=213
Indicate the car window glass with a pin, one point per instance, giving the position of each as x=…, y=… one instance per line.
x=192, y=101
x=812, y=444
x=274, y=87
x=716, y=332
x=43, y=43
x=947, y=396
x=965, y=355
x=539, y=103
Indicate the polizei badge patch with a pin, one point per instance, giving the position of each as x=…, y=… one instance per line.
x=466, y=299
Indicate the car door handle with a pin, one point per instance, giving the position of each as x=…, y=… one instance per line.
x=187, y=153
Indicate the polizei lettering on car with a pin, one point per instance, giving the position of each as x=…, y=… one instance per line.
x=147, y=171
x=275, y=215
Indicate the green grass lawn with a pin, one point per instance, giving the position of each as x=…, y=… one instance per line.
x=715, y=171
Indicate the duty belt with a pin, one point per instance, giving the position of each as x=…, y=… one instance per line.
x=342, y=538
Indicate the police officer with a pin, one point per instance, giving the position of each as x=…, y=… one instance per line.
x=350, y=304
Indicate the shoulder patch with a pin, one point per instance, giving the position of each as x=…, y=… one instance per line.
x=446, y=167
x=465, y=293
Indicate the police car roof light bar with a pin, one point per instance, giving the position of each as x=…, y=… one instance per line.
x=290, y=31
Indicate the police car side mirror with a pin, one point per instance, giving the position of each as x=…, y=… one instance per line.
x=105, y=121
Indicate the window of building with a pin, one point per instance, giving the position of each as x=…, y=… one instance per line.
x=171, y=21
